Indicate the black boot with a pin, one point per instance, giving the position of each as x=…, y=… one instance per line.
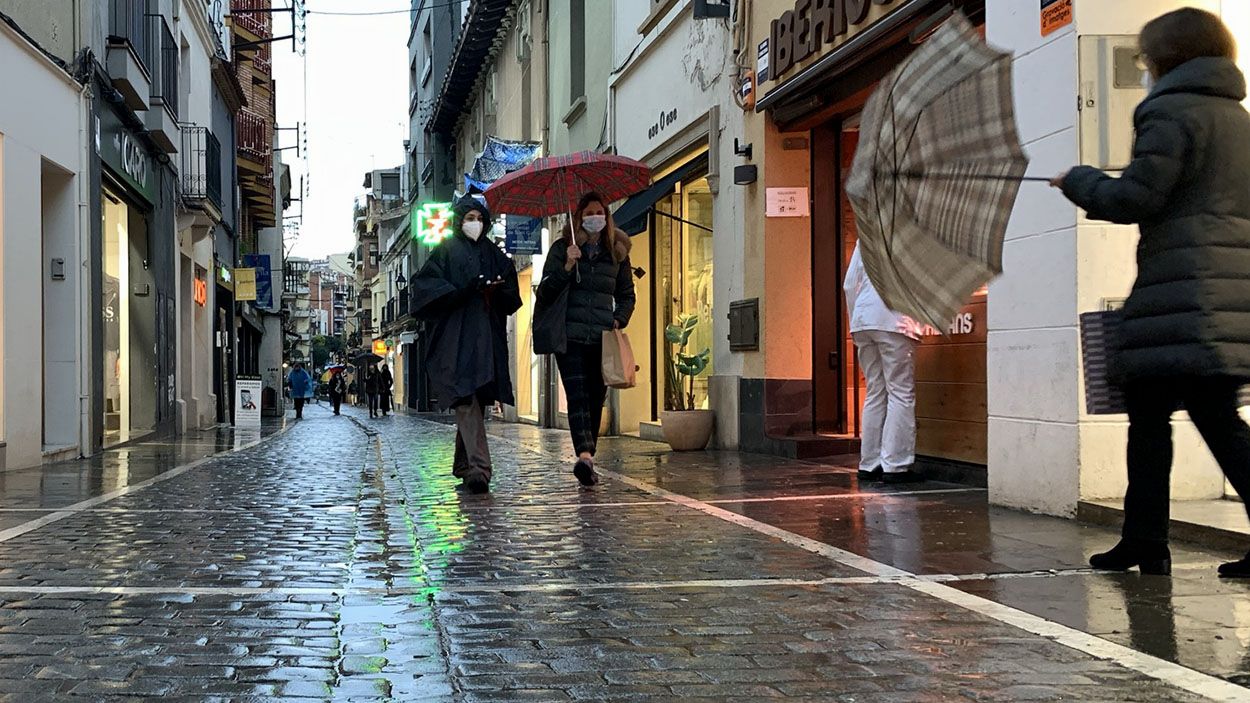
x=1151, y=557
x=1239, y=569
x=585, y=473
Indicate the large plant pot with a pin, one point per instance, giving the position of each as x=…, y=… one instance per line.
x=687, y=430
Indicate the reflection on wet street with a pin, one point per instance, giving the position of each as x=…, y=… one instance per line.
x=334, y=559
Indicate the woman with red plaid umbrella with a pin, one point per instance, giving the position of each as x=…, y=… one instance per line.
x=588, y=279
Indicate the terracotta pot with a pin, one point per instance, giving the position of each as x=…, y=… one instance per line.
x=687, y=430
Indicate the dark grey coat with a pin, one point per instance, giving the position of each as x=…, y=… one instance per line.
x=1188, y=187
x=601, y=287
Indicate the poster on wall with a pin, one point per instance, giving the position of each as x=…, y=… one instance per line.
x=1056, y=14
x=523, y=235
x=786, y=202
x=247, y=393
x=761, y=62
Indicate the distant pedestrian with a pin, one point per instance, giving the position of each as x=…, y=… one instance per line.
x=385, y=383
x=338, y=390
x=371, y=389
x=590, y=269
x=886, y=343
x=1185, y=338
x=300, y=383
x=466, y=291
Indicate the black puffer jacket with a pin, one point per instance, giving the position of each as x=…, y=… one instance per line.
x=601, y=288
x=1188, y=187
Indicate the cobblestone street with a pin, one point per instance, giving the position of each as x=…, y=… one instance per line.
x=334, y=559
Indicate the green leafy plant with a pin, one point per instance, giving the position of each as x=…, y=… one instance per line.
x=681, y=363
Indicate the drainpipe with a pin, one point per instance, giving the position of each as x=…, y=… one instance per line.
x=86, y=140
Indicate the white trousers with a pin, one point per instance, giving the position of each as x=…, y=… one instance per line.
x=888, y=360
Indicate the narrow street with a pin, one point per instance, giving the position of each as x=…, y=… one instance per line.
x=334, y=560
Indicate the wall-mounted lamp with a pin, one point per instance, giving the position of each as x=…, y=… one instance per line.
x=743, y=150
x=745, y=174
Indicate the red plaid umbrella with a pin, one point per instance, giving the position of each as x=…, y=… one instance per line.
x=552, y=185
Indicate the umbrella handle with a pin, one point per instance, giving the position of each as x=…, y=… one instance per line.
x=564, y=192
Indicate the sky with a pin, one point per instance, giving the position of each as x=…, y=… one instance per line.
x=355, y=112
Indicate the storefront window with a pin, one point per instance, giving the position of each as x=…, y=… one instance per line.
x=116, y=313
x=683, y=280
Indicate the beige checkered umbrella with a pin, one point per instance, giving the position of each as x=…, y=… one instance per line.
x=936, y=174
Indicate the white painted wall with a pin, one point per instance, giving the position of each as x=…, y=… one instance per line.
x=40, y=128
x=1045, y=453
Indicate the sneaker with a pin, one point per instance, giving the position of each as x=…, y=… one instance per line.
x=874, y=475
x=904, y=476
x=585, y=473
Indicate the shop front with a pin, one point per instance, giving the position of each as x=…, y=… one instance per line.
x=682, y=229
x=136, y=347
x=814, y=73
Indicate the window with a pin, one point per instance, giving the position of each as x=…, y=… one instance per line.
x=577, y=49
x=390, y=185
x=427, y=50
x=524, y=34
x=488, y=93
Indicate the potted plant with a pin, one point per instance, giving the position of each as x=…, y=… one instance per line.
x=686, y=428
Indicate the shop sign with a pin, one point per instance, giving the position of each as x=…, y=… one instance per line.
x=1056, y=14
x=523, y=235
x=264, y=279
x=247, y=393
x=810, y=26
x=407, y=337
x=666, y=119
x=225, y=278
x=380, y=348
x=201, y=290
x=432, y=223
x=761, y=61
x=786, y=202
x=962, y=324
x=125, y=155
x=245, y=284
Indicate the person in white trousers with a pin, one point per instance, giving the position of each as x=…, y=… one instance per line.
x=886, y=342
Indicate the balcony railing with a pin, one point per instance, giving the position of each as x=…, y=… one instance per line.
x=258, y=23
x=255, y=135
x=165, y=71
x=201, y=165
x=129, y=25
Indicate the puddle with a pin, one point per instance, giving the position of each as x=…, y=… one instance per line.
x=372, y=614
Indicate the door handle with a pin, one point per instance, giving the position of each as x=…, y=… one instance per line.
x=833, y=361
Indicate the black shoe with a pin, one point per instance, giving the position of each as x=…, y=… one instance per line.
x=585, y=473
x=891, y=478
x=1151, y=558
x=1239, y=569
x=477, y=485
x=874, y=475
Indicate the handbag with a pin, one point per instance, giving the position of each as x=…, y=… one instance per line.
x=619, y=368
x=1100, y=340
x=551, y=331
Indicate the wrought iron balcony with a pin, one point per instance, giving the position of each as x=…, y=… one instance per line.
x=201, y=165
x=165, y=69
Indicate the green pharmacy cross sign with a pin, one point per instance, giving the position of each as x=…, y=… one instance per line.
x=432, y=223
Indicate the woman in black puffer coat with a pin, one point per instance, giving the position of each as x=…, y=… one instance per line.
x=591, y=262
x=1186, y=331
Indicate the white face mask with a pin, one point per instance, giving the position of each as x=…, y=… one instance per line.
x=472, y=230
x=1147, y=80
x=594, y=223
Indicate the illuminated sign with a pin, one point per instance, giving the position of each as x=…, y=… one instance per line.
x=201, y=291
x=379, y=347
x=432, y=223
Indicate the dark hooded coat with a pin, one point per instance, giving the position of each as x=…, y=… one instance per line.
x=600, y=288
x=1188, y=187
x=467, y=325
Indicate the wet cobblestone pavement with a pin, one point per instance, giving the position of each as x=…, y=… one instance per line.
x=334, y=560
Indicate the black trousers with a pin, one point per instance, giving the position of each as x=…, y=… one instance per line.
x=1212, y=405
x=336, y=399
x=581, y=371
x=373, y=404
x=299, y=407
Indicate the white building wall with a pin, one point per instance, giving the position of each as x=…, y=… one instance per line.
x=1045, y=453
x=42, y=159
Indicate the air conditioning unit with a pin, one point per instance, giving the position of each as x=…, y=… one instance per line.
x=708, y=9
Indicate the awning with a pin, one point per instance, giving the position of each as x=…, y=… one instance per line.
x=632, y=216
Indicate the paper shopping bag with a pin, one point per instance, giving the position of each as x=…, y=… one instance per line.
x=619, y=369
